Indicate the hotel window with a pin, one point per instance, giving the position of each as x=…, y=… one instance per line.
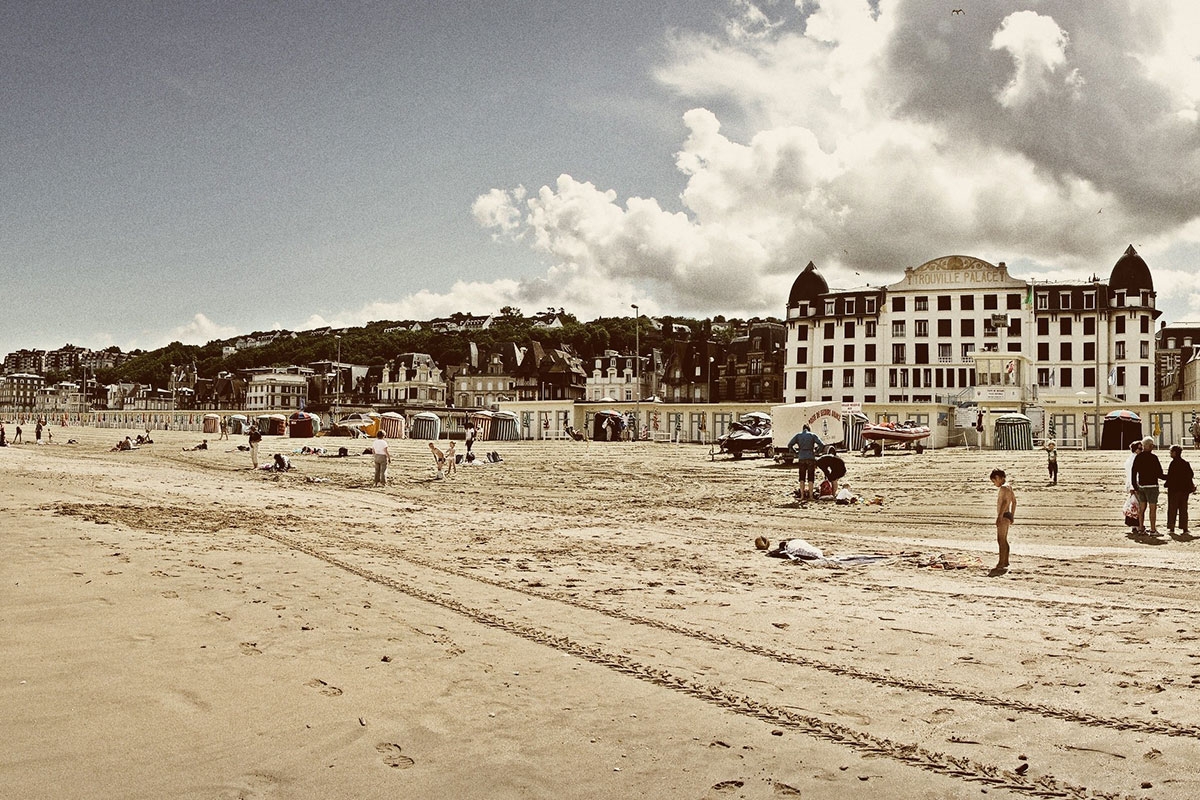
x=849, y=306
x=1145, y=323
x=1089, y=351
x=848, y=378
x=966, y=327
x=802, y=333
x=869, y=378
x=945, y=353
x=869, y=305
x=943, y=302
x=921, y=304
x=1145, y=349
x=898, y=303
x=870, y=329
x=1014, y=302
x=988, y=328
x=1043, y=326
x=1043, y=351
x=869, y=355
x=801, y=355
x=1089, y=326
x=968, y=351
x=848, y=353
x=966, y=302
x=1145, y=373
x=945, y=328
x=1089, y=376
x=1120, y=323
x=802, y=380
x=898, y=327
x=827, y=354
x=829, y=308
x=826, y=379
x=1065, y=377
x=1120, y=376
x=1089, y=301
x=922, y=327
x=848, y=329
x=1043, y=301
x=898, y=354
x=1064, y=326
x=1064, y=351
x=989, y=302
x=1043, y=377
x=892, y=378
x=830, y=330
x=1120, y=350
x=1064, y=300
x=1120, y=300
x=1014, y=327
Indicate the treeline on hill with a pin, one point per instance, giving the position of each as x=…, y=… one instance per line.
x=369, y=344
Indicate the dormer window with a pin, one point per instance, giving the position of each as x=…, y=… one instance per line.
x=849, y=305
x=1089, y=301
x=1064, y=300
x=829, y=308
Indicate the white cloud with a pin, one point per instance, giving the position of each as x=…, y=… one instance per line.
x=871, y=137
x=199, y=330
x=1038, y=48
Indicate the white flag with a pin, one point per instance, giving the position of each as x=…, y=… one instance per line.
x=1112, y=377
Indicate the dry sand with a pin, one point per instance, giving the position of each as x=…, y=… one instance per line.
x=580, y=622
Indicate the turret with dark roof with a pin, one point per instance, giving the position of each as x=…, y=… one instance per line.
x=1130, y=274
x=808, y=287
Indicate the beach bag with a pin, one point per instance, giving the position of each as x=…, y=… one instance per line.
x=1131, y=512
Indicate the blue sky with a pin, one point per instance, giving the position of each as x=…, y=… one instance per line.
x=194, y=171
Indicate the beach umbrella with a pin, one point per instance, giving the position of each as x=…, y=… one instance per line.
x=1123, y=414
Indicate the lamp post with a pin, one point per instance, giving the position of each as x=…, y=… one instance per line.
x=637, y=372
x=337, y=378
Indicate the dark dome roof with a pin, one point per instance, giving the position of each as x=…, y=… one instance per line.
x=1130, y=273
x=808, y=287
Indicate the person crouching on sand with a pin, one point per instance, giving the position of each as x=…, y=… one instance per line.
x=1006, y=509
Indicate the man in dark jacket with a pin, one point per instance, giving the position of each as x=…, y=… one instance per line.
x=1180, y=484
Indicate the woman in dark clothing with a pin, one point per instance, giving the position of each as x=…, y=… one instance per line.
x=1179, y=485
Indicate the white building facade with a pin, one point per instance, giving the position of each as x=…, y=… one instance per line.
x=958, y=329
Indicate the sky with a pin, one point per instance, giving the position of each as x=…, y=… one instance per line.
x=194, y=171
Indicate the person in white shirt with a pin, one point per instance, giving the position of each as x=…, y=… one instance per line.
x=383, y=457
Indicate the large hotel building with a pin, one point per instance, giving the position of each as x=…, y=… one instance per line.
x=959, y=329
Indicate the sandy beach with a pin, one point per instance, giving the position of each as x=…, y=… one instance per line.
x=582, y=621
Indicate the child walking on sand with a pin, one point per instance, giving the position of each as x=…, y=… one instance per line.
x=1006, y=509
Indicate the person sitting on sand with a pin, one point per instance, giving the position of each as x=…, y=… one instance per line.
x=123, y=444
x=202, y=446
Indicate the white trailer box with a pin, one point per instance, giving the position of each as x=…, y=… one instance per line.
x=824, y=419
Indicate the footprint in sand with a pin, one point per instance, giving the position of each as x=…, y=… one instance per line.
x=393, y=757
x=324, y=688
x=250, y=649
x=218, y=615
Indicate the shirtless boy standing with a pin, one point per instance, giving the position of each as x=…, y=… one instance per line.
x=1006, y=509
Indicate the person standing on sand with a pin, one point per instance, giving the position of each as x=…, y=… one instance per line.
x=17, y=437
x=469, y=436
x=1006, y=510
x=1052, y=461
x=1180, y=483
x=806, y=445
x=254, y=437
x=1147, y=472
x=224, y=429
x=383, y=457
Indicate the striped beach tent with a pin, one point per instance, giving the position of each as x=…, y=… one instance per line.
x=425, y=425
x=1013, y=432
x=852, y=425
x=482, y=419
x=393, y=425
x=504, y=427
x=212, y=423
